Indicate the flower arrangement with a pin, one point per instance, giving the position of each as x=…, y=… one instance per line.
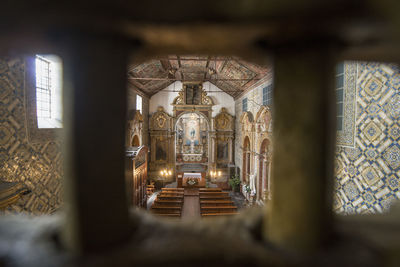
x=192, y=181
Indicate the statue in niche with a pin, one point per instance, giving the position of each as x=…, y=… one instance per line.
x=192, y=132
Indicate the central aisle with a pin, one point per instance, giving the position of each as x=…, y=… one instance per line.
x=191, y=204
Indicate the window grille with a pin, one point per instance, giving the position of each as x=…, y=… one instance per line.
x=339, y=86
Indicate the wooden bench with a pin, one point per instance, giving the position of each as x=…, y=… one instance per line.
x=175, y=203
x=172, y=213
x=218, y=209
x=202, y=198
x=167, y=214
x=172, y=193
x=210, y=190
x=217, y=202
x=214, y=194
x=166, y=209
x=218, y=214
x=172, y=189
x=163, y=197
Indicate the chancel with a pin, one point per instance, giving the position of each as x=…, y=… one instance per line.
x=254, y=134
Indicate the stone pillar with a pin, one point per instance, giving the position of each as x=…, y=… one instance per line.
x=299, y=214
x=94, y=123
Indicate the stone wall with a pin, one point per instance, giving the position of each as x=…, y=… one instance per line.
x=254, y=102
x=38, y=164
x=368, y=152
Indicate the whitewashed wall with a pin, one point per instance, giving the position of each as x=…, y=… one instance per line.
x=165, y=97
x=220, y=99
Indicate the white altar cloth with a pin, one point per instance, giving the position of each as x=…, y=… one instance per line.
x=195, y=175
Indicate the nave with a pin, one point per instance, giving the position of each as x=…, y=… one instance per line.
x=192, y=203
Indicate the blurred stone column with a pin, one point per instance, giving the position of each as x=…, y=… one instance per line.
x=300, y=213
x=94, y=120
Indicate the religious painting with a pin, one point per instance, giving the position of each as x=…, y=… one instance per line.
x=161, y=150
x=193, y=94
x=222, y=151
x=192, y=130
x=191, y=135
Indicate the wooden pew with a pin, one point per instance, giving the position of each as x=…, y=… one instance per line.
x=166, y=209
x=175, y=203
x=202, y=198
x=210, y=190
x=218, y=209
x=164, y=197
x=167, y=215
x=173, y=189
x=169, y=193
x=216, y=203
x=214, y=193
x=218, y=214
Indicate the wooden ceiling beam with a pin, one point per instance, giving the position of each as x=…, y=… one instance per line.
x=166, y=64
x=139, y=89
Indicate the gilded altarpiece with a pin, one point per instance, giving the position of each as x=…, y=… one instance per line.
x=223, y=143
x=162, y=142
x=192, y=112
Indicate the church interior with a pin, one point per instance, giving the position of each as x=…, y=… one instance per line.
x=249, y=135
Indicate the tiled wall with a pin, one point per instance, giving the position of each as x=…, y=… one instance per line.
x=37, y=165
x=368, y=168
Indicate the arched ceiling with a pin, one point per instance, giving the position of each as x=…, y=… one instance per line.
x=230, y=74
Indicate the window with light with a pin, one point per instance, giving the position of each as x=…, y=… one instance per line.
x=48, y=91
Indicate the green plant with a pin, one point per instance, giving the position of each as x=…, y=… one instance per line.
x=234, y=182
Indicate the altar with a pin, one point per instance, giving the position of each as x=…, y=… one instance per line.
x=191, y=179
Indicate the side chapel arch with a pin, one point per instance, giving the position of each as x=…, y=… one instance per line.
x=247, y=124
x=264, y=134
x=246, y=160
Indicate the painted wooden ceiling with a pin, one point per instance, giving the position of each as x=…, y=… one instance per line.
x=230, y=74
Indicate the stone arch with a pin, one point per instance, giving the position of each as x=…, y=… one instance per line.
x=263, y=119
x=246, y=163
x=263, y=185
